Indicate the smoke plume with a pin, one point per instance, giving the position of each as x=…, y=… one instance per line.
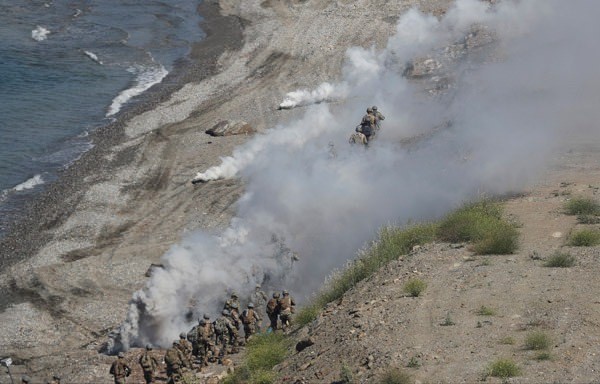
x=474, y=102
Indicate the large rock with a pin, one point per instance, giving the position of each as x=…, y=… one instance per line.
x=229, y=128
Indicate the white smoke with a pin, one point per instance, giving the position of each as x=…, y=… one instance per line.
x=324, y=92
x=508, y=105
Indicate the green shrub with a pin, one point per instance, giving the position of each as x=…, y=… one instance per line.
x=585, y=238
x=588, y=219
x=307, y=314
x=560, y=260
x=414, y=287
x=582, y=206
x=503, y=368
x=480, y=223
x=485, y=311
x=263, y=352
x=543, y=356
x=507, y=341
x=346, y=376
x=395, y=376
x=537, y=341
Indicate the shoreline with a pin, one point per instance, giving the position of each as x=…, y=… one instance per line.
x=24, y=237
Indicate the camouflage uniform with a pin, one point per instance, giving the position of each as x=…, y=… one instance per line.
x=174, y=361
x=286, y=309
x=234, y=300
x=205, y=336
x=186, y=350
x=378, y=117
x=251, y=321
x=259, y=298
x=273, y=311
x=149, y=365
x=224, y=332
x=119, y=369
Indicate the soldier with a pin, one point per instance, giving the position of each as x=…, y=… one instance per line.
x=287, y=306
x=174, y=362
x=234, y=314
x=119, y=369
x=378, y=118
x=149, y=364
x=186, y=350
x=205, y=337
x=273, y=311
x=260, y=298
x=233, y=300
x=367, y=125
x=251, y=321
x=224, y=330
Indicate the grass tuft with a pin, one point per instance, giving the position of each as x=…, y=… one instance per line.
x=414, y=287
x=585, y=238
x=482, y=224
x=503, y=368
x=582, y=206
x=485, y=311
x=395, y=376
x=560, y=260
x=537, y=341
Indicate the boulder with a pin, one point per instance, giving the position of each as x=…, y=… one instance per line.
x=229, y=128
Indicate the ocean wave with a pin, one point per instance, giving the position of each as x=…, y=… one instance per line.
x=29, y=184
x=40, y=33
x=146, y=77
x=93, y=56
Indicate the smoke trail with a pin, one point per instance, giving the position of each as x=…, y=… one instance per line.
x=507, y=102
x=324, y=92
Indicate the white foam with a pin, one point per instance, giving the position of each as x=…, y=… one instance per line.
x=93, y=56
x=40, y=33
x=146, y=77
x=30, y=183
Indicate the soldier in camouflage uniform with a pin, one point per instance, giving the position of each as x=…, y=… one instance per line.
x=119, y=369
x=287, y=307
x=251, y=321
x=273, y=311
x=186, y=350
x=149, y=364
x=174, y=361
x=233, y=300
x=205, y=336
x=259, y=298
x=378, y=118
x=367, y=125
x=224, y=330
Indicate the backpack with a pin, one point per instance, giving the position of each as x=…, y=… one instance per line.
x=272, y=306
x=220, y=326
x=146, y=361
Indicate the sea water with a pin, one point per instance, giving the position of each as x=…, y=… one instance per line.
x=68, y=67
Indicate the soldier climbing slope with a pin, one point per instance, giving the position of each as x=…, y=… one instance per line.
x=119, y=369
x=273, y=311
x=149, y=364
x=287, y=307
x=378, y=118
x=224, y=331
x=251, y=321
x=367, y=125
x=259, y=298
x=186, y=350
x=174, y=362
x=205, y=337
x=234, y=299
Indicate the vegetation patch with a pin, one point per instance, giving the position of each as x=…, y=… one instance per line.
x=263, y=352
x=507, y=341
x=543, y=356
x=482, y=224
x=560, y=260
x=537, y=341
x=414, y=287
x=585, y=238
x=395, y=376
x=582, y=206
x=503, y=368
x=485, y=311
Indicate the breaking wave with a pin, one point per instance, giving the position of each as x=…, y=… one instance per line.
x=40, y=33
x=29, y=184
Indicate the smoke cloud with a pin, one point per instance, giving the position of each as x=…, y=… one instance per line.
x=499, y=87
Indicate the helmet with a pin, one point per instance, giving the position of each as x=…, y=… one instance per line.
x=369, y=110
x=202, y=322
x=275, y=295
x=206, y=317
x=374, y=107
x=148, y=347
x=182, y=335
x=250, y=305
x=257, y=286
x=121, y=354
x=225, y=312
x=234, y=294
x=285, y=292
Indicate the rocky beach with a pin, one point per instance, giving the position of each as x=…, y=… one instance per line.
x=89, y=240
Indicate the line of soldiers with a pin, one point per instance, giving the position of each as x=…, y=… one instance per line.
x=369, y=126
x=210, y=341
